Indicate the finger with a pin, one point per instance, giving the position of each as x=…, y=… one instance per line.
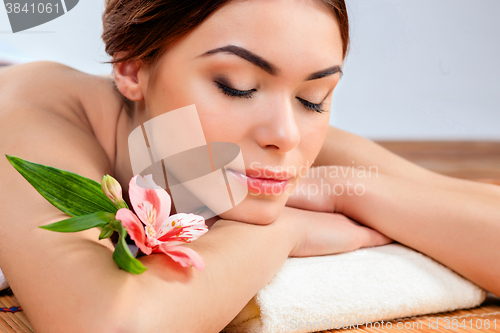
x=375, y=238
x=307, y=195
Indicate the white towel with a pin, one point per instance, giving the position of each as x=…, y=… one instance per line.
x=367, y=285
x=3, y=282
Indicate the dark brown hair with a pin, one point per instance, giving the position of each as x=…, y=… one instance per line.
x=145, y=28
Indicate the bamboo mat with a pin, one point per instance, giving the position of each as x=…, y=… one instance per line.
x=16, y=321
x=460, y=321
x=478, y=161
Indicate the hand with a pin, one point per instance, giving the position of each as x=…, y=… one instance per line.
x=318, y=233
x=321, y=189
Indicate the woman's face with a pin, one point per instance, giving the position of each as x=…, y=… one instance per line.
x=268, y=92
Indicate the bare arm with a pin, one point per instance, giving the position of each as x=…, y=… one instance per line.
x=455, y=221
x=458, y=229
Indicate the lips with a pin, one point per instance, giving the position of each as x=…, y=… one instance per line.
x=267, y=174
x=263, y=181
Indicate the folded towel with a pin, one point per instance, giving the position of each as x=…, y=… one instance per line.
x=367, y=285
x=3, y=281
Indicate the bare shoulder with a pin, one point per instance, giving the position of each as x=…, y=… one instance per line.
x=42, y=83
x=89, y=101
x=42, y=119
x=32, y=130
x=37, y=123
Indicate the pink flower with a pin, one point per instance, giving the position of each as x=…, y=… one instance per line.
x=153, y=230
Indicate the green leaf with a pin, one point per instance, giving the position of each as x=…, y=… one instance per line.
x=106, y=232
x=122, y=255
x=71, y=193
x=83, y=222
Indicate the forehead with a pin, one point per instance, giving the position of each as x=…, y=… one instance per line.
x=296, y=33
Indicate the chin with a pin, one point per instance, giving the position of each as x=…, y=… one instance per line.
x=256, y=210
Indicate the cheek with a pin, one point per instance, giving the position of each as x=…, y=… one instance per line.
x=169, y=94
x=222, y=118
x=174, y=91
x=313, y=135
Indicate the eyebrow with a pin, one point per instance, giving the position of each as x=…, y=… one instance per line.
x=266, y=65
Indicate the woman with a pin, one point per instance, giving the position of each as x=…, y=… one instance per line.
x=266, y=91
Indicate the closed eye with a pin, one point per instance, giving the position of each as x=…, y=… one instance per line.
x=248, y=94
x=312, y=106
x=234, y=92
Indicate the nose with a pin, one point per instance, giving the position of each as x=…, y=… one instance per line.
x=278, y=128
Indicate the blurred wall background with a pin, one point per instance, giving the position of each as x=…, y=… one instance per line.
x=417, y=69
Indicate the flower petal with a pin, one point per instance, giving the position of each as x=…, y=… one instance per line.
x=169, y=227
x=134, y=228
x=184, y=256
x=164, y=204
x=182, y=227
x=144, y=189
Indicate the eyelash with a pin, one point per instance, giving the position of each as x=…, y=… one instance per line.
x=311, y=106
x=235, y=93
x=248, y=94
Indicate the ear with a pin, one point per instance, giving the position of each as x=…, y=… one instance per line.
x=127, y=79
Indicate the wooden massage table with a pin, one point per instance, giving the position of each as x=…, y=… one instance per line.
x=479, y=161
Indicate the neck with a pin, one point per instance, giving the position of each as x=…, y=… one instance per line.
x=123, y=168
